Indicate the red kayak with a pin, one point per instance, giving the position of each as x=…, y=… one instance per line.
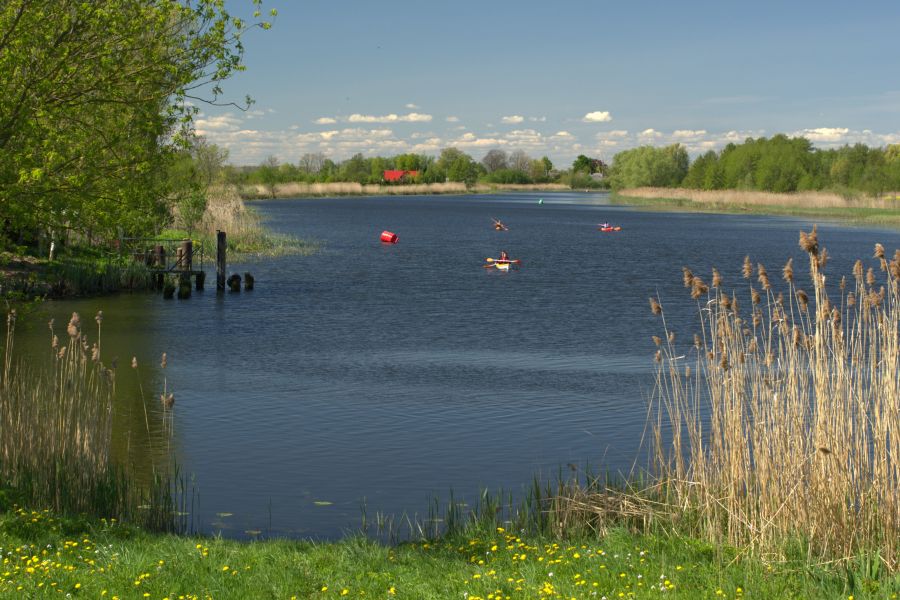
x=616, y=228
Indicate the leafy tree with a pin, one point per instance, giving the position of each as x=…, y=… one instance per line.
x=649, y=166
x=94, y=100
x=268, y=173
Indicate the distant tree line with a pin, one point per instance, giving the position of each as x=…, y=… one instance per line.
x=777, y=164
x=451, y=164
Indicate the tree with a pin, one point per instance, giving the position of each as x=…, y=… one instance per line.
x=209, y=160
x=96, y=98
x=495, y=160
x=312, y=162
x=649, y=166
x=520, y=161
x=268, y=173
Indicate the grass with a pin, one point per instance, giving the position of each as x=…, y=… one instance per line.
x=783, y=414
x=862, y=211
x=45, y=555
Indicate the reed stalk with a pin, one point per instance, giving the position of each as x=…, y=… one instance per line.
x=784, y=418
x=56, y=434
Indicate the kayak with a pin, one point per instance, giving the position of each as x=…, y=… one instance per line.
x=501, y=265
x=616, y=228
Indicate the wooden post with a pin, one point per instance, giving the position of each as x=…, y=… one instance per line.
x=220, y=260
x=187, y=251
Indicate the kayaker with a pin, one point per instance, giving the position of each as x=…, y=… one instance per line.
x=503, y=256
x=604, y=225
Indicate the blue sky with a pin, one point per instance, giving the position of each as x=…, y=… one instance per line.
x=559, y=79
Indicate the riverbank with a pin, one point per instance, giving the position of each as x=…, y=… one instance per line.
x=301, y=190
x=862, y=210
x=45, y=554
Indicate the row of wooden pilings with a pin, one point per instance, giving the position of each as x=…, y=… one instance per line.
x=184, y=270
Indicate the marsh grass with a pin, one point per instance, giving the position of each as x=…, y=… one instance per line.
x=857, y=209
x=349, y=188
x=781, y=421
x=246, y=232
x=85, y=277
x=56, y=434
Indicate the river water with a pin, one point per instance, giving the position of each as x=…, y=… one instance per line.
x=386, y=376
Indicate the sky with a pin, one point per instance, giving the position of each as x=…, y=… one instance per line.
x=558, y=79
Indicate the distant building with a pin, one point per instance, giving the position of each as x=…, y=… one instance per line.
x=399, y=176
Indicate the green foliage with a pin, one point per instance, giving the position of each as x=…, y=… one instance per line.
x=95, y=98
x=649, y=166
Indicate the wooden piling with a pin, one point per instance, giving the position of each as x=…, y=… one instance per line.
x=220, y=260
x=187, y=255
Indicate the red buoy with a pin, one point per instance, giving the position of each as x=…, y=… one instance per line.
x=388, y=237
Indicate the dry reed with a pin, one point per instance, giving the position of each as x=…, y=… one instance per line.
x=789, y=429
x=56, y=433
x=804, y=200
x=349, y=188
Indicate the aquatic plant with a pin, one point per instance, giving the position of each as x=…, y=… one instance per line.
x=56, y=433
x=782, y=423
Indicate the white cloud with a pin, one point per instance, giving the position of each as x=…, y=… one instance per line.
x=537, y=119
x=327, y=135
x=513, y=119
x=562, y=134
x=823, y=134
x=598, y=116
x=325, y=121
x=649, y=134
x=219, y=123
x=688, y=134
x=412, y=106
x=391, y=118
x=452, y=119
x=610, y=135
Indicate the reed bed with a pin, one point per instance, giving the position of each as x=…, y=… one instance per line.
x=804, y=200
x=56, y=434
x=247, y=234
x=298, y=189
x=779, y=423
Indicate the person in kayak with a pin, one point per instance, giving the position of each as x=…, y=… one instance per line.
x=604, y=225
x=503, y=256
x=499, y=226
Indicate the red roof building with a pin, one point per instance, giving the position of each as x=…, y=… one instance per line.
x=397, y=176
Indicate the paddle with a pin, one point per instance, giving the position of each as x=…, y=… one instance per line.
x=515, y=261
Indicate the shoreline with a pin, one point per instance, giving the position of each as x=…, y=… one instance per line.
x=343, y=189
x=858, y=210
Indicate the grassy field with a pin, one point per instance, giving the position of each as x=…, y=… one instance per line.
x=46, y=556
x=858, y=210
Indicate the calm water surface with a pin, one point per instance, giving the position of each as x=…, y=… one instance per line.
x=386, y=375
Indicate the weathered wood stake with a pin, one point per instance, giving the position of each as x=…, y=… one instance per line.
x=220, y=261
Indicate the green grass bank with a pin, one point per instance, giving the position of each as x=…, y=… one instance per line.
x=44, y=555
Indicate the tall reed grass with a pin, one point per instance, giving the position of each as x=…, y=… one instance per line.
x=56, y=434
x=805, y=200
x=349, y=188
x=781, y=420
x=247, y=234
